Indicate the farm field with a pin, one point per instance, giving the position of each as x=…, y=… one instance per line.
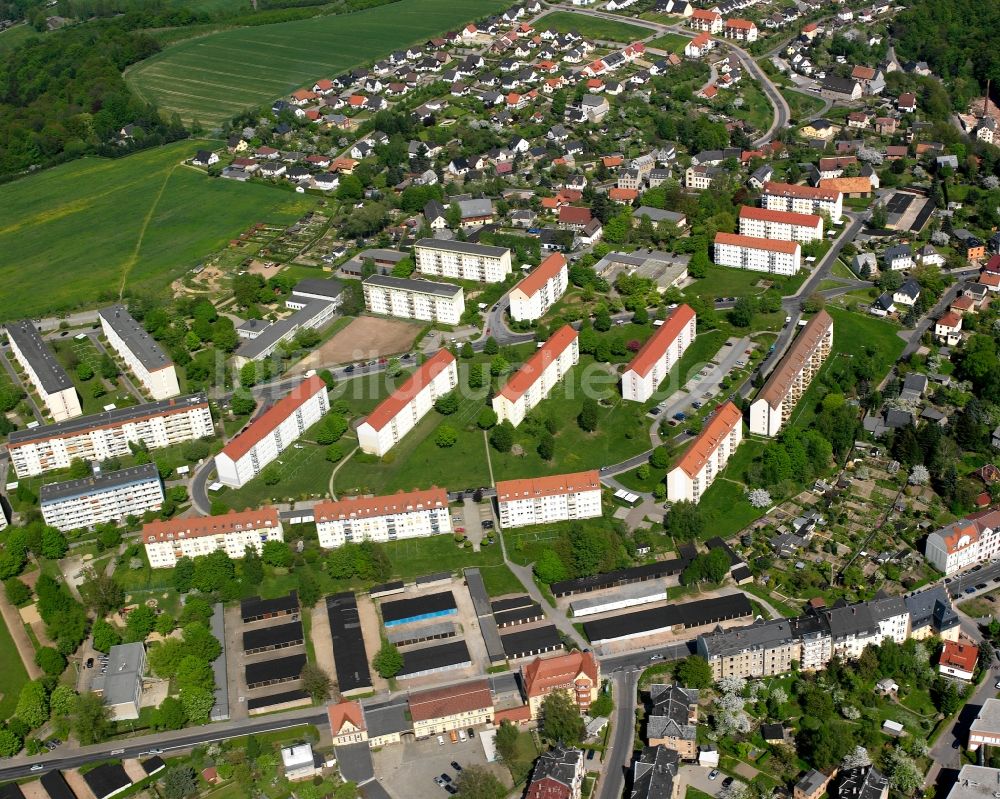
x=79, y=232
x=592, y=27
x=213, y=78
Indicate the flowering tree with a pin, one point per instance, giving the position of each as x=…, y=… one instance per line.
x=856, y=759
x=920, y=475
x=759, y=498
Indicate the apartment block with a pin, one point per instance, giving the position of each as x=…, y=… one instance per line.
x=803, y=200
x=763, y=223
x=272, y=432
x=540, y=290
x=454, y=707
x=414, y=299
x=758, y=255
x=415, y=514
x=46, y=374
x=168, y=541
x=109, y=434
x=538, y=376
x=964, y=543
x=985, y=728
x=462, y=260
x=553, y=498
x=143, y=356
x=792, y=376
x=707, y=21
x=672, y=720
x=707, y=456
x=557, y=774
x=576, y=673
x=653, y=362
x=399, y=413
x=742, y=30
x=107, y=497
x=760, y=650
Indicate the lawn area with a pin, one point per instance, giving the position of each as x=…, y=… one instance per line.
x=13, y=668
x=414, y=557
x=70, y=353
x=591, y=27
x=725, y=508
x=500, y=580
x=669, y=42
x=694, y=793
x=213, y=78
x=632, y=480
x=756, y=110
x=722, y=281
x=79, y=232
x=840, y=269
x=305, y=474
x=801, y=105
x=526, y=544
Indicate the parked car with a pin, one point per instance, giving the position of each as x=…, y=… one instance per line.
x=451, y=789
x=456, y=766
x=680, y=416
x=445, y=778
x=727, y=782
x=713, y=774
x=472, y=732
x=440, y=740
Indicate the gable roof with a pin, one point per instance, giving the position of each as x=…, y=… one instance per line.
x=414, y=384
x=545, y=271
x=532, y=369
x=342, y=712
x=662, y=338
x=719, y=425
x=449, y=701
x=264, y=425
x=543, y=675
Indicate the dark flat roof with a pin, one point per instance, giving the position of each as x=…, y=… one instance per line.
x=272, y=636
x=484, y=613
x=105, y=481
x=718, y=543
x=519, y=615
x=647, y=571
x=255, y=606
x=277, y=699
x=275, y=669
x=525, y=641
x=464, y=247
x=142, y=345
x=435, y=577
x=252, y=348
x=435, y=657
x=511, y=603
x=349, y=654
x=400, y=609
x=421, y=286
x=43, y=362
x=11, y=790
x=153, y=764
x=329, y=287
x=56, y=787
x=106, y=779
x=395, y=585
x=688, y=614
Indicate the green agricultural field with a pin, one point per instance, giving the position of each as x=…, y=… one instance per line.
x=670, y=43
x=82, y=231
x=212, y=78
x=592, y=27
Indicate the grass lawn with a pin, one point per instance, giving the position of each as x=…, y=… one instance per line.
x=725, y=507
x=70, y=353
x=632, y=480
x=414, y=557
x=722, y=281
x=591, y=27
x=212, y=78
x=756, y=110
x=801, y=105
x=80, y=231
x=840, y=269
x=305, y=474
x=670, y=42
x=13, y=668
x=694, y=793
x=500, y=580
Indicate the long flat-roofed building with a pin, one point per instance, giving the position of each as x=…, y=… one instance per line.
x=540, y=290
x=108, y=434
x=764, y=223
x=272, y=432
x=168, y=541
x=538, y=376
x=414, y=299
x=399, y=413
x=107, y=497
x=707, y=455
x=143, y=356
x=415, y=514
x=45, y=373
x=803, y=200
x=462, y=260
x=653, y=362
x=758, y=255
x=792, y=376
x=540, y=500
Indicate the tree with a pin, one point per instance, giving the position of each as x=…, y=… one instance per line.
x=602, y=320
x=919, y=475
x=214, y=571
x=814, y=303
x=587, y=418
x=546, y=446
x=84, y=371
x=10, y=743
x=502, y=436
x=499, y=365
x=200, y=642
x=165, y=658
x=446, y=436
x=316, y=682
x=388, y=661
x=62, y=701
x=276, y=553
x=197, y=703
x=17, y=592
x=105, y=636
x=164, y=624
x=447, y=404
x=140, y=624
x=193, y=672
x=101, y=593
x=242, y=403
x=659, y=458
x=741, y=314
x=33, y=704
x=491, y=347
x=170, y=714
x=50, y=660
x=252, y=567
x=54, y=544
x=506, y=741
x=694, y=672
x=334, y=453
x=487, y=418
x=180, y=782
x=183, y=576
x=684, y=520
x=91, y=721
x=561, y=720
x=476, y=782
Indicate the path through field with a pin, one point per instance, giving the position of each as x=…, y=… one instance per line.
x=127, y=266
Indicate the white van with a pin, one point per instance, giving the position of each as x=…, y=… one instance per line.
x=440, y=740
x=461, y=735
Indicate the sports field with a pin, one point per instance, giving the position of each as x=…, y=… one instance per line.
x=75, y=234
x=212, y=78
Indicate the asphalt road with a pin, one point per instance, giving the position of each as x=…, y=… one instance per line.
x=618, y=756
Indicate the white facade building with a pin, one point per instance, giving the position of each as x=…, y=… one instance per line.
x=416, y=514
x=108, y=497
x=967, y=542
x=168, y=541
x=540, y=290
x=554, y=498
x=44, y=371
x=462, y=260
x=407, y=405
x=803, y=200
x=414, y=299
x=269, y=434
x=762, y=223
x=653, y=362
x=538, y=376
x=758, y=255
x=143, y=356
x=707, y=455
x=108, y=435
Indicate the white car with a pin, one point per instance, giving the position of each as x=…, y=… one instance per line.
x=713, y=774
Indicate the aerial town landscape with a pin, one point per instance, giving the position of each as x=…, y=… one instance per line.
x=569, y=399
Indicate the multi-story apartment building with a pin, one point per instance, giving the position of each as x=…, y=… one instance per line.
x=760, y=650
x=399, y=413
x=553, y=498
x=854, y=627
x=700, y=176
x=273, y=431
x=414, y=299
x=576, y=673
x=415, y=514
x=985, y=727
x=672, y=720
x=763, y=223
x=707, y=21
x=654, y=360
x=109, y=434
x=742, y=30
x=462, y=260
x=43, y=370
x=540, y=290
x=758, y=255
x=143, y=356
x=707, y=456
x=792, y=376
x=803, y=200
x=965, y=543
x=107, y=497
x=168, y=541
x=538, y=376
x=557, y=774
x=453, y=707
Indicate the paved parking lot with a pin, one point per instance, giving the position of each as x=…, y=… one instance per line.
x=409, y=769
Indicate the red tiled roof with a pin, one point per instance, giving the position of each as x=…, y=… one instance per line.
x=662, y=338
x=992, y=265
x=533, y=368
x=950, y=319
x=777, y=385
x=742, y=24
x=340, y=712
x=574, y=215
x=548, y=486
x=366, y=507
x=847, y=185
x=543, y=675
x=838, y=162
x=264, y=425
x=783, y=217
x=701, y=39
x=771, y=245
x=546, y=270
x=959, y=655
x=415, y=383
x=199, y=526
x=707, y=16
x=449, y=701
x=794, y=190
x=623, y=194
x=722, y=422
x=863, y=73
